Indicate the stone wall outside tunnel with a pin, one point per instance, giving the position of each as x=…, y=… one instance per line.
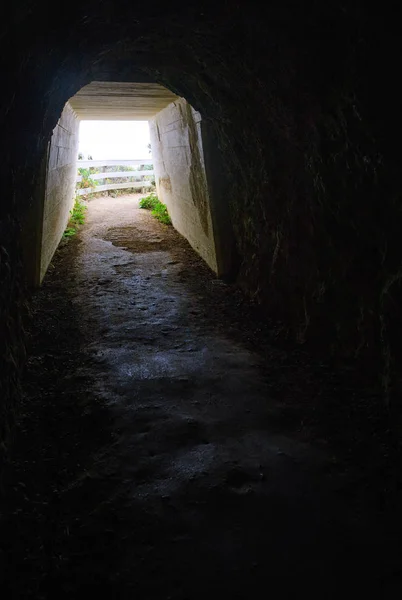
x=60, y=183
x=180, y=176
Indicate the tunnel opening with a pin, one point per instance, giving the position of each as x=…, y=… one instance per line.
x=184, y=180
x=114, y=157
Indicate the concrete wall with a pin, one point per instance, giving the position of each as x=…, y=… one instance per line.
x=59, y=184
x=180, y=177
x=219, y=191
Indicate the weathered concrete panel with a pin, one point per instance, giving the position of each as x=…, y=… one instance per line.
x=193, y=186
x=180, y=176
x=219, y=198
x=121, y=100
x=60, y=184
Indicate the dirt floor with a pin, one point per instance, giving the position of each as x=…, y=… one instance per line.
x=170, y=446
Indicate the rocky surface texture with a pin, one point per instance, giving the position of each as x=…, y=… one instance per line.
x=164, y=453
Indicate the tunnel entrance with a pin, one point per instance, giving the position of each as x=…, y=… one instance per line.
x=185, y=178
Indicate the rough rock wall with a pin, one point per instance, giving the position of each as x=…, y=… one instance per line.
x=12, y=341
x=180, y=175
x=305, y=104
x=59, y=185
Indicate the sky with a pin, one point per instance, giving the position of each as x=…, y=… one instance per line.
x=114, y=139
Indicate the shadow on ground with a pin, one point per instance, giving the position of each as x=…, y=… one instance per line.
x=169, y=448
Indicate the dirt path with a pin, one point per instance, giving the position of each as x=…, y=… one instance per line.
x=157, y=455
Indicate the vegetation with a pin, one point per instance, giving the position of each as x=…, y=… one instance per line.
x=89, y=184
x=159, y=210
x=86, y=180
x=149, y=202
x=77, y=218
x=122, y=192
x=150, y=178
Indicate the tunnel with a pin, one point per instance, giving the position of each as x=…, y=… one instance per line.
x=178, y=136
x=292, y=205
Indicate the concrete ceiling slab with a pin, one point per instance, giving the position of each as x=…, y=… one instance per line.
x=122, y=101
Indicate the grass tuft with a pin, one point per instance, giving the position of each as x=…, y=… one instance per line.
x=159, y=210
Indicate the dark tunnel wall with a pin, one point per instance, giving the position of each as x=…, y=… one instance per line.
x=304, y=103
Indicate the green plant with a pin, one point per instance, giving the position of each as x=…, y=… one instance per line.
x=77, y=218
x=78, y=212
x=86, y=180
x=69, y=232
x=149, y=202
x=159, y=210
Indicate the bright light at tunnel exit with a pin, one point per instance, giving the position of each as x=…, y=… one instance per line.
x=114, y=139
